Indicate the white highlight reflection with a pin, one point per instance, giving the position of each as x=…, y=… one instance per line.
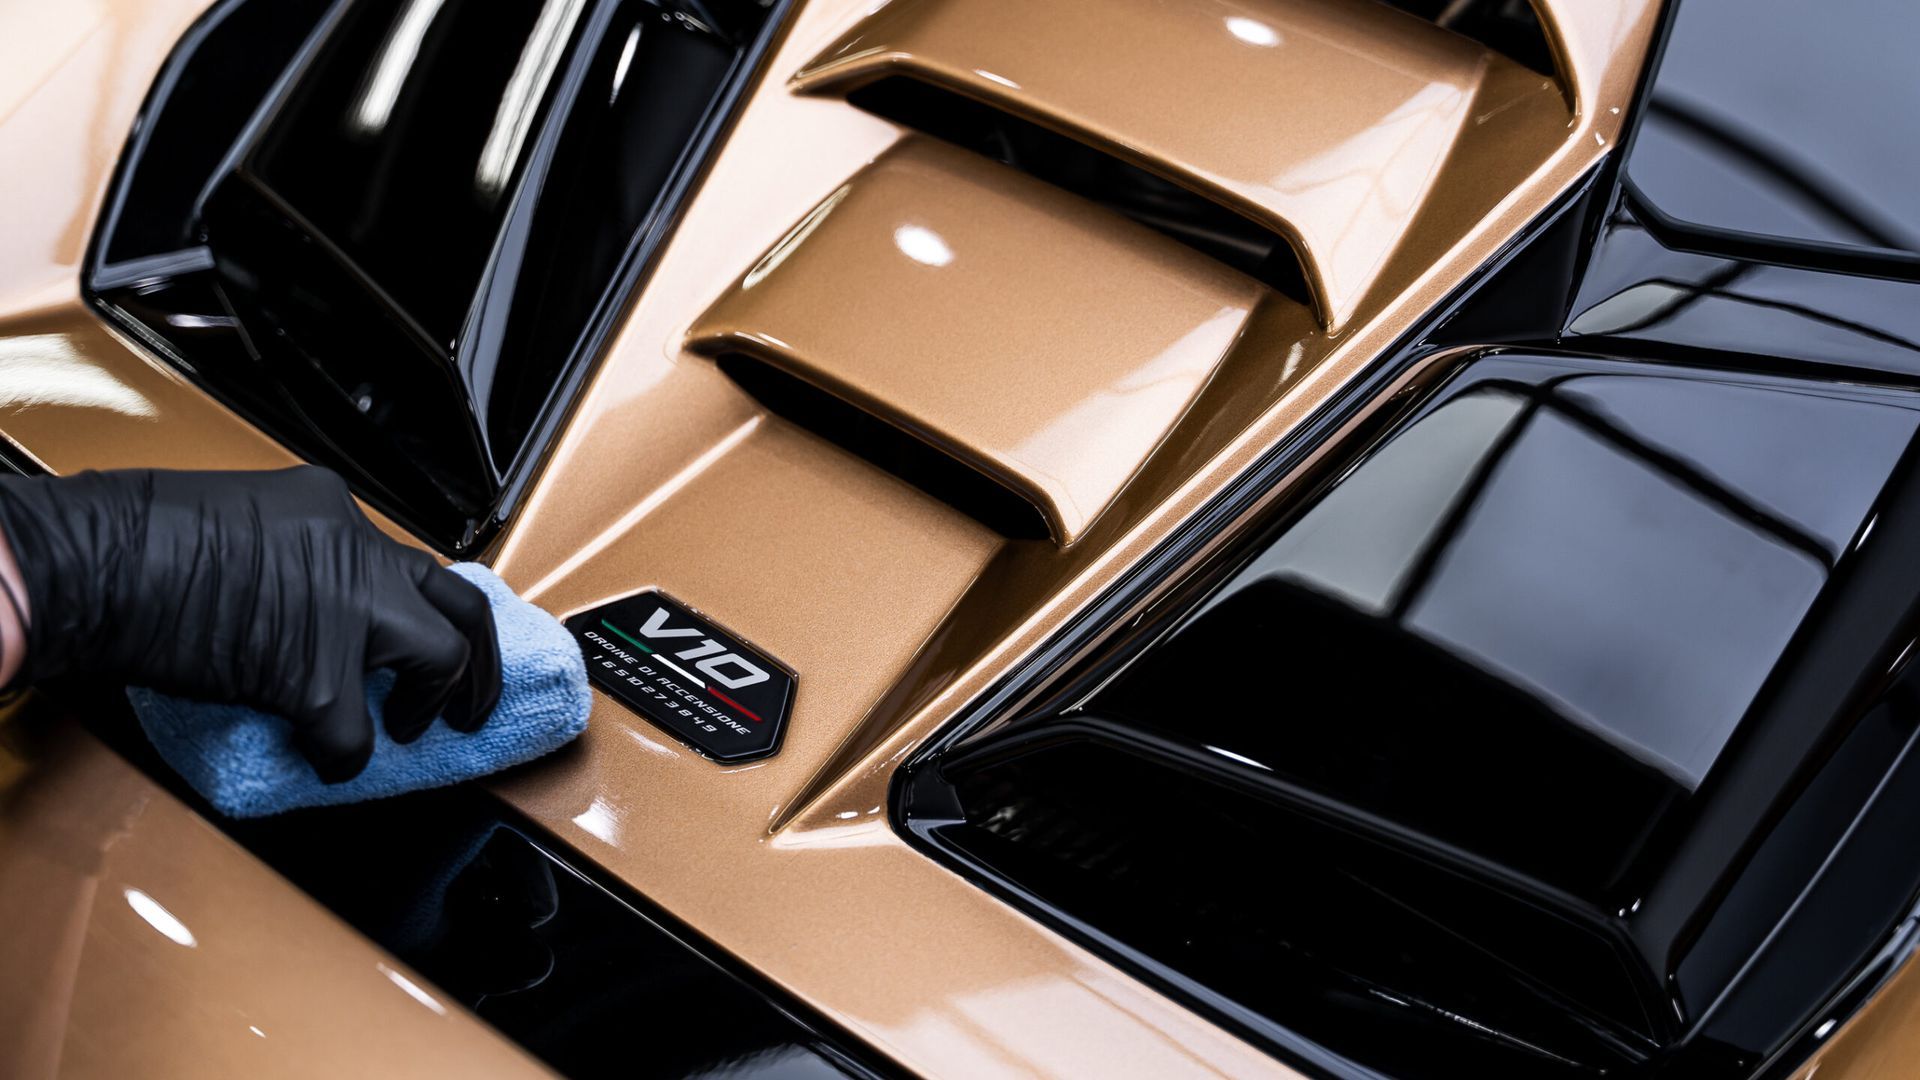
x=1253, y=31
x=412, y=988
x=626, y=61
x=45, y=369
x=922, y=245
x=795, y=237
x=528, y=84
x=1241, y=758
x=160, y=918
x=601, y=820
x=393, y=65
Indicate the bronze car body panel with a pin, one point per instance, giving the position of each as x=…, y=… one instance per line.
x=1130, y=331
x=893, y=608
x=141, y=942
x=1880, y=1043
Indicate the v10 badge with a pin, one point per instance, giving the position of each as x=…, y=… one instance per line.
x=702, y=684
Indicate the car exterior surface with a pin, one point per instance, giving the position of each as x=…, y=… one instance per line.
x=1303, y=543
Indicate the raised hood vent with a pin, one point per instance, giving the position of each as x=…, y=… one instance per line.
x=1327, y=122
x=1099, y=212
x=1026, y=333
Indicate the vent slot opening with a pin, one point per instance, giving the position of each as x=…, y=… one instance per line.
x=1509, y=27
x=888, y=447
x=393, y=233
x=1066, y=163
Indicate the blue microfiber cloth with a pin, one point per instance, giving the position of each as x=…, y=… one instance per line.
x=244, y=763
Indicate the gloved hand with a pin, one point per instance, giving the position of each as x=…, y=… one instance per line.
x=268, y=589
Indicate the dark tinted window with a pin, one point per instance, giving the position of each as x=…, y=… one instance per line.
x=392, y=231
x=1788, y=119
x=1617, y=560
x=1474, y=745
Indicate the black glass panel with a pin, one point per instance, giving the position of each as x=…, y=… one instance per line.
x=1644, y=289
x=1789, y=120
x=1513, y=740
x=1576, y=582
x=585, y=975
x=403, y=226
x=1260, y=903
x=401, y=140
x=591, y=982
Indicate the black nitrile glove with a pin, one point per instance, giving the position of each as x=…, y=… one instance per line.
x=268, y=589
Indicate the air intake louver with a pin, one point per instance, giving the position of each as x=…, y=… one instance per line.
x=1044, y=154
x=880, y=443
x=1038, y=163
x=1058, y=403
x=1558, y=733
x=392, y=232
x=1344, y=113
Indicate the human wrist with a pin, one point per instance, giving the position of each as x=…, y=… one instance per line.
x=74, y=542
x=16, y=614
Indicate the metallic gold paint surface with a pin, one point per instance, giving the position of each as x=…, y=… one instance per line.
x=1327, y=121
x=140, y=942
x=894, y=609
x=1881, y=1041
x=75, y=75
x=70, y=397
x=1063, y=411
x=791, y=867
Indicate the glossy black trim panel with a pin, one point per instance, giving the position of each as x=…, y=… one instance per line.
x=1785, y=132
x=558, y=955
x=1774, y=842
x=1436, y=712
x=585, y=975
x=396, y=233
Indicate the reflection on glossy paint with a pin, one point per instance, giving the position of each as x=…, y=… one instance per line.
x=922, y=245
x=1118, y=389
x=1241, y=758
x=39, y=38
x=653, y=500
x=1336, y=149
x=626, y=61
x=1346, y=190
x=795, y=237
x=160, y=918
x=411, y=988
x=187, y=321
x=869, y=831
x=392, y=66
x=601, y=820
x=1144, y=400
x=46, y=369
x=1253, y=31
x=1632, y=308
x=1642, y=288
x=521, y=99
